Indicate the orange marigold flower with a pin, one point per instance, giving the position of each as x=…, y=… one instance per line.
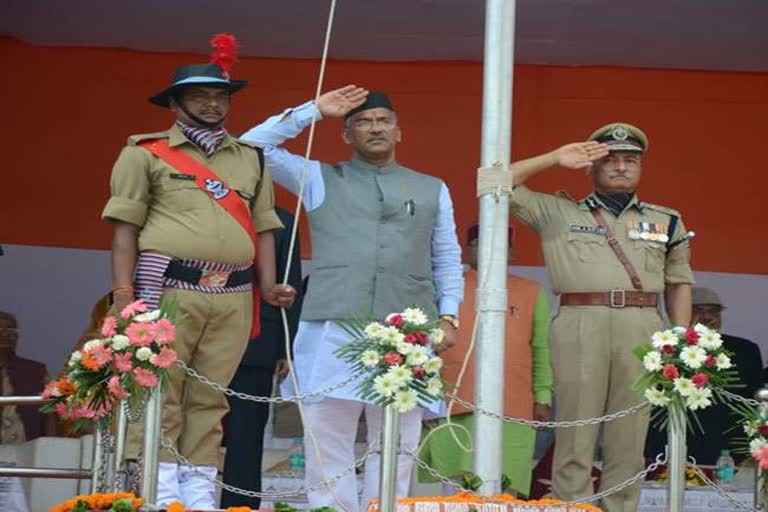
x=176, y=506
x=238, y=509
x=66, y=387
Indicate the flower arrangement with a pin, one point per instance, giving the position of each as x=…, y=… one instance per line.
x=114, y=502
x=496, y=503
x=684, y=368
x=130, y=357
x=176, y=506
x=755, y=425
x=397, y=359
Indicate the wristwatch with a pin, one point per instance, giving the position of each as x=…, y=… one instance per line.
x=451, y=320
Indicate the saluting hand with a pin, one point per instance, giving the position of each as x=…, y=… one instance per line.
x=580, y=154
x=339, y=102
x=280, y=295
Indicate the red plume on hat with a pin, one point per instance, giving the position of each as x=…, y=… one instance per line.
x=224, y=53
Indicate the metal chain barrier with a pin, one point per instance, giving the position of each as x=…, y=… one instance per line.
x=738, y=398
x=107, y=444
x=553, y=424
x=263, y=399
x=168, y=445
x=720, y=491
x=639, y=477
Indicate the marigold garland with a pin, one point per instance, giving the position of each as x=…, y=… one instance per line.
x=98, y=501
x=465, y=497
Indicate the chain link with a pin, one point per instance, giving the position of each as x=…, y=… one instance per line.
x=102, y=483
x=660, y=460
x=738, y=398
x=134, y=415
x=168, y=445
x=552, y=424
x=264, y=399
x=721, y=492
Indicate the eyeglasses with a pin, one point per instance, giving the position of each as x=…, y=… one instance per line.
x=385, y=123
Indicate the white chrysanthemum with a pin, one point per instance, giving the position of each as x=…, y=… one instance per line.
x=89, y=345
x=144, y=353
x=683, y=386
x=385, y=385
x=405, y=400
x=710, y=340
x=415, y=316
x=433, y=365
x=404, y=348
x=418, y=356
x=120, y=342
x=699, y=399
x=75, y=357
x=652, y=361
x=149, y=316
x=436, y=336
x=664, y=338
x=723, y=362
x=370, y=358
x=757, y=445
x=693, y=356
x=401, y=374
x=679, y=330
x=657, y=397
x=434, y=386
x=373, y=330
x=391, y=336
x=749, y=428
x=702, y=329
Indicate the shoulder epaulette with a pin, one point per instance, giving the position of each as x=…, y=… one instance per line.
x=662, y=209
x=134, y=140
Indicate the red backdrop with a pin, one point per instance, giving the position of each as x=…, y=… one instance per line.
x=68, y=111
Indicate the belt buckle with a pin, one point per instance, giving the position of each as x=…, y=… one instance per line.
x=617, y=293
x=213, y=278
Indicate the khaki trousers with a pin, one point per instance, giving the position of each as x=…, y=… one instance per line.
x=594, y=369
x=211, y=337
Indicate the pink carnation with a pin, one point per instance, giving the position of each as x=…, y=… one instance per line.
x=670, y=372
x=109, y=327
x=411, y=338
x=140, y=334
x=60, y=409
x=144, y=378
x=122, y=362
x=164, y=359
x=116, y=389
x=396, y=319
x=700, y=380
x=133, y=308
x=101, y=355
x=164, y=331
x=50, y=388
x=691, y=337
x=393, y=358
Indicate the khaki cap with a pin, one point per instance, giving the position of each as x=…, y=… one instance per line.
x=621, y=137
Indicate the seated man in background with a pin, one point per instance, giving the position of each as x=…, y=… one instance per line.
x=717, y=420
x=20, y=377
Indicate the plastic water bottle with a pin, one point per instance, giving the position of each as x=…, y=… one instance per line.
x=296, y=457
x=725, y=469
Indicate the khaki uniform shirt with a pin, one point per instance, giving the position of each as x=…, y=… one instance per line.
x=175, y=216
x=578, y=256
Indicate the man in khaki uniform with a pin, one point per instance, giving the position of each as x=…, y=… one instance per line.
x=607, y=307
x=174, y=240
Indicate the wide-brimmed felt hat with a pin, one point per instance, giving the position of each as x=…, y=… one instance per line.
x=196, y=74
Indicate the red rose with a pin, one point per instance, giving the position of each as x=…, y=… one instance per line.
x=396, y=319
x=670, y=372
x=710, y=362
x=762, y=430
x=421, y=338
x=393, y=358
x=418, y=372
x=411, y=338
x=668, y=350
x=691, y=337
x=700, y=380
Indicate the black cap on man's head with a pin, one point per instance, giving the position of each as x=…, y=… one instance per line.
x=374, y=100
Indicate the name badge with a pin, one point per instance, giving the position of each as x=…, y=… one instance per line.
x=179, y=176
x=592, y=230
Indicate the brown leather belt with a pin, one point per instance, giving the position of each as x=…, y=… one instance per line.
x=613, y=298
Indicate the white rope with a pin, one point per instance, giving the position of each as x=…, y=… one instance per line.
x=286, y=331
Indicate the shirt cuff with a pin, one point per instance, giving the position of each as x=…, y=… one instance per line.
x=125, y=210
x=304, y=113
x=267, y=221
x=543, y=396
x=449, y=306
